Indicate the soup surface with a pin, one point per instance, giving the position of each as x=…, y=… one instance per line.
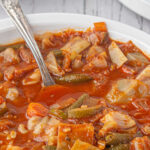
x=101, y=100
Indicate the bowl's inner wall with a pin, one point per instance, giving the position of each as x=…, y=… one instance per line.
x=55, y=22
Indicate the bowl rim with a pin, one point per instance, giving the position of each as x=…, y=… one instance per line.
x=71, y=20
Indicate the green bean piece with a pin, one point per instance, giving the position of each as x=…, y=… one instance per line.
x=15, y=46
x=58, y=53
x=84, y=112
x=79, y=101
x=117, y=138
x=49, y=147
x=58, y=113
x=73, y=78
x=120, y=147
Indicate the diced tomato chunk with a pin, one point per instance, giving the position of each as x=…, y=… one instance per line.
x=36, y=109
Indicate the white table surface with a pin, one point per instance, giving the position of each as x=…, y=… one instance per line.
x=111, y=9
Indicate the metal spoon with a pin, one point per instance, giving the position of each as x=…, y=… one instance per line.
x=13, y=9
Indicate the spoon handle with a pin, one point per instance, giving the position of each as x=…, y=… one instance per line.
x=13, y=9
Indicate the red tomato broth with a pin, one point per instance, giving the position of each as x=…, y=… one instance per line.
x=103, y=80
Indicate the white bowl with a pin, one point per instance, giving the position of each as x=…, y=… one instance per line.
x=60, y=21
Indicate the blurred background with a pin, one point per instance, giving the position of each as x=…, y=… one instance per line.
x=111, y=9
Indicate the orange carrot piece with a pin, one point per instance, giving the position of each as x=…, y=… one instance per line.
x=36, y=109
x=73, y=132
x=100, y=26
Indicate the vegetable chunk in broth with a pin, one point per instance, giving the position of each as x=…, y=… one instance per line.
x=101, y=100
